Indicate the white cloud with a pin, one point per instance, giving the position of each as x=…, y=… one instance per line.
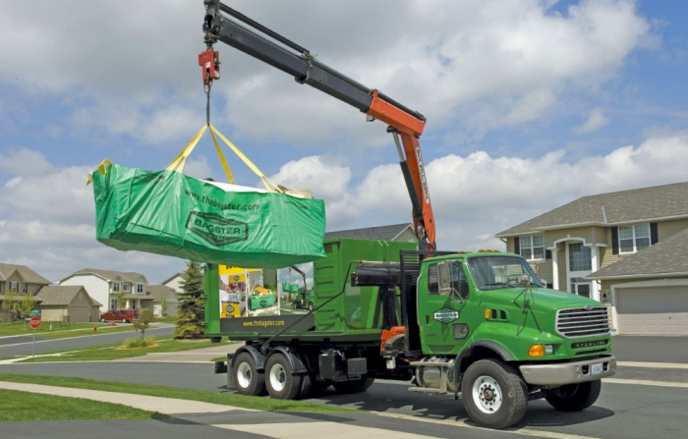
x=595, y=121
x=487, y=63
x=22, y=161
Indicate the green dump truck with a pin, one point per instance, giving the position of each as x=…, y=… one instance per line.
x=476, y=324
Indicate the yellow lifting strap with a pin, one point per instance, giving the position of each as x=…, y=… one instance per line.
x=266, y=181
x=179, y=162
x=101, y=170
x=228, y=172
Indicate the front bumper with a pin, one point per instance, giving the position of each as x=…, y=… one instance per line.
x=567, y=373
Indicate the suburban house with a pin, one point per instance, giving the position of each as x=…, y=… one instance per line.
x=106, y=286
x=67, y=304
x=628, y=249
x=174, y=282
x=160, y=291
x=21, y=279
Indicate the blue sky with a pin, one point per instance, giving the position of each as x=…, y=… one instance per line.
x=530, y=104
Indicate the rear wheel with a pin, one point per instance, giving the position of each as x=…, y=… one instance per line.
x=493, y=394
x=575, y=397
x=247, y=379
x=356, y=386
x=124, y=320
x=280, y=382
x=103, y=320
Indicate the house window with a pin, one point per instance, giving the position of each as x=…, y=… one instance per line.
x=126, y=287
x=580, y=258
x=25, y=288
x=113, y=303
x=14, y=286
x=115, y=286
x=139, y=288
x=533, y=247
x=634, y=238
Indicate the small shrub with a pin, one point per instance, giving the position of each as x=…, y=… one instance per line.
x=132, y=343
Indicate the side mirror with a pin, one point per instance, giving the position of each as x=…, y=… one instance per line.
x=444, y=278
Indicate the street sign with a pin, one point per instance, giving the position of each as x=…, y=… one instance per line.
x=35, y=313
x=35, y=322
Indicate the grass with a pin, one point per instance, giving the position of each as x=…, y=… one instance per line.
x=113, y=351
x=232, y=399
x=24, y=406
x=72, y=330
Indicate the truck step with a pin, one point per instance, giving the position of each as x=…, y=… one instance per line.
x=430, y=364
x=426, y=390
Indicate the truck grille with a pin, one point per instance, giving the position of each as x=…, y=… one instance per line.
x=582, y=322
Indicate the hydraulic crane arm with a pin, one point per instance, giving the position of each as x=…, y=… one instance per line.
x=266, y=45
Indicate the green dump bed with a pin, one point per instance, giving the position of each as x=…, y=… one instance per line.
x=354, y=315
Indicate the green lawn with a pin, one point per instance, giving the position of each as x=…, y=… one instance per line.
x=171, y=320
x=250, y=402
x=58, y=331
x=24, y=406
x=111, y=352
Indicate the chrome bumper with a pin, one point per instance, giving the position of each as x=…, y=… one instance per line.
x=567, y=373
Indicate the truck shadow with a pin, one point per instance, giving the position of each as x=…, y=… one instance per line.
x=395, y=398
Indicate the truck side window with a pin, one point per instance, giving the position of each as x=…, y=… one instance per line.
x=433, y=287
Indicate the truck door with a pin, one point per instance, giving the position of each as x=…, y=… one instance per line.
x=444, y=321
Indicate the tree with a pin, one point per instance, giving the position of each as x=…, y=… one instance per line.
x=9, y=304
x=146, y=317
x=121, y=300
x=191, y=311
x=26, y=305
x=163, y=304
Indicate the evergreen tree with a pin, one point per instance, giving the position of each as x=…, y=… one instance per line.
x=191, y=311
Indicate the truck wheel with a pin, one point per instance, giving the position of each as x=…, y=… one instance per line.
x=493, y=394
x=356, y=386
x=310, y=307
x=575, y=397
x=247, y=379
x=280, y=382
x=306, y=386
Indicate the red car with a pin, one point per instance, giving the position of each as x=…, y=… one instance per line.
x=120, y=315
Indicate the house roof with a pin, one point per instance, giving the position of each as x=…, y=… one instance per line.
x=138, y=296
x=110, y=275
x=157, y=291
x=29, y=276
x=18, y=297
x=61, y=295
x=644, y=204
x=382, y=233
x=668, y=257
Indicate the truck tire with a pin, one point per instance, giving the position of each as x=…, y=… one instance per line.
x=493, y=394
x=247, y=379
x=310, y=306
x=575, y=397
x=280, y=382
x=306, y=386
x=356, y=386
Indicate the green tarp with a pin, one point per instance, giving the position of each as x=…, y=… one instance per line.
x=169, y=213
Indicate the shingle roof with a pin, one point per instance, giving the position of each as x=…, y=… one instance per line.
x=667, y=257
x=129, y=276
x=30, y=276
x=138, y=296
x=61, y=295
x=157, y=291
x=383, y=233
x=171, y=277
x=612, y=208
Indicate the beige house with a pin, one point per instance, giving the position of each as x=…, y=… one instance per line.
x=622, y=248
x=67, y=304
x=157, y=292
x=21, y=279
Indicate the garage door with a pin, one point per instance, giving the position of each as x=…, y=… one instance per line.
x=652, y=310
x=79, y=313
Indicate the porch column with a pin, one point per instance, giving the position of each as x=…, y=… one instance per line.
x=555, y=268
x=595, y=256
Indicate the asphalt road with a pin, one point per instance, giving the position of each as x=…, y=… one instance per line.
x=23, y=347
x=624, y=411
x=651, y=349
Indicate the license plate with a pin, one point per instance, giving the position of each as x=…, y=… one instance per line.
x=597, y=368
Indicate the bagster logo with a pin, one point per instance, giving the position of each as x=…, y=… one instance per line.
x=446, y=315
x=215, y=229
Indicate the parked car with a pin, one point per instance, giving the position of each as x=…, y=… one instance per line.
x=120, y=315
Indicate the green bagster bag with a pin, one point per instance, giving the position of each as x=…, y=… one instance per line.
x=169, y=213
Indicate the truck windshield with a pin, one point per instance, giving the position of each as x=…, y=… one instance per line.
x=493, y=272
